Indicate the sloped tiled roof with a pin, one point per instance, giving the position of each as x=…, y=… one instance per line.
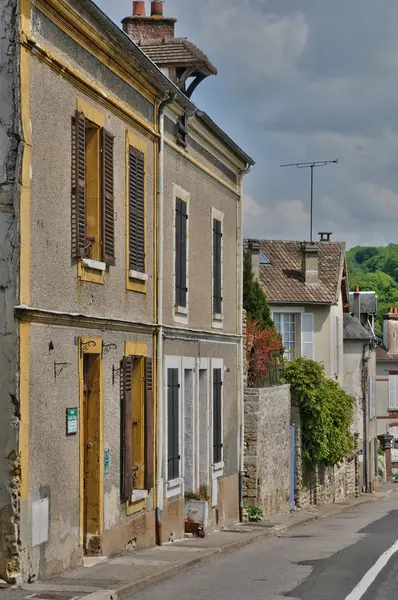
x=368, y=302
x=282, y=280
x=178, y=52
x=354, y=330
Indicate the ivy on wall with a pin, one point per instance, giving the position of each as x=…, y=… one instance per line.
x=325, y=411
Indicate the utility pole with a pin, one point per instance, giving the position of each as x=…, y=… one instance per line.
x=312, y=165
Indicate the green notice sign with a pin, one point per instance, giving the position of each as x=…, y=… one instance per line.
x=72, y=419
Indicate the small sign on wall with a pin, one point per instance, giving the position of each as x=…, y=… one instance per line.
x=107, y=461
x=72, y=418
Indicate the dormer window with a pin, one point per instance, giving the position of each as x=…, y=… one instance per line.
x=264, y=261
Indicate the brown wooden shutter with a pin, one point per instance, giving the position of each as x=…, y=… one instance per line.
x=108, y=216
x=136, y=210
x=78, y=185
x=126, y=383
x=149, y=426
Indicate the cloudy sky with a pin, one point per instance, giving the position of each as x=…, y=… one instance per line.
x=303, y=80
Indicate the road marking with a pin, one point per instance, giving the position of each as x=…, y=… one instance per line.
x=369, y=577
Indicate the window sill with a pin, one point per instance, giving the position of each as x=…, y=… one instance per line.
x=95, y=265
x=218, y=321
x=174, y=487
x=138, y=275
x=181, y=315
x=135, y=506
x=218, y=470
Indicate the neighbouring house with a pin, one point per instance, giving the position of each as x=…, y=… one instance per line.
x=120, y=219
x=360, y=381
x=306, y=286
x=387, y=385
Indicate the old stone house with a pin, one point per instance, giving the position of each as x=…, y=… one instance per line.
x=360, y=381
x=306, y=286
x=120, y=213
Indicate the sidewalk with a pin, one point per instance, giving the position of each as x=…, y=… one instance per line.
x=121, y=576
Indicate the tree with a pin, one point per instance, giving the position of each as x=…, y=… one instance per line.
x=254, y=301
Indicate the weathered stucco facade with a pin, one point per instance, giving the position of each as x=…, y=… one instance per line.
x=83, y=347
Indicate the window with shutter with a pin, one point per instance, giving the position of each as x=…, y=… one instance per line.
x=307, y=335
x=136, y=210
x=108, y=217
x=393, y=392
x=126, y=391
x=149, y=426
x=92, y=192
x=181, y=218
x=285, y=324
x=78, y=185
x=217, y=416
x=173, y=429
x=217, y=267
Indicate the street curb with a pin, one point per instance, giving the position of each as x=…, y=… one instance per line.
x=130, y=587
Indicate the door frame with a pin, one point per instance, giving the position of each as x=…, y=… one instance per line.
x=90, y=345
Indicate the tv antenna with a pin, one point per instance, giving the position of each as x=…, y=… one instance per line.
x=312, y=165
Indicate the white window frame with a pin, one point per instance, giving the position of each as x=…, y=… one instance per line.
x=174, y=487
x=287, y=309
x=180, y=314
x=203, y=364
x=394, y=405
x=217, y=468
x=303, y=315
x=218, y=318
x=189, y=364
x=282, y=314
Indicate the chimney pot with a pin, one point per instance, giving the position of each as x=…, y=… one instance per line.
x=139, y=8
x=325, y=236
x=157, y=8
x=391, y=309
x=356, y=289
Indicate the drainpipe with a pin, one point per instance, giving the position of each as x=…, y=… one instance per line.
x=241, y=403
x=159, y=333
x=365, y=360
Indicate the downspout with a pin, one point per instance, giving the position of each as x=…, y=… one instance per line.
x=159, y=339
x=365, y=361
x=241, y=392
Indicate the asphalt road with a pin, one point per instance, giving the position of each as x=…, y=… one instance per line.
x=324, y=560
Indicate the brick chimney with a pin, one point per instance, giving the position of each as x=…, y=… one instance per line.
x=156, y=26
x=390, y=330
x=310, y=262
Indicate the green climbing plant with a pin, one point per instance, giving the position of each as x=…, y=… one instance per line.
x=325, y=412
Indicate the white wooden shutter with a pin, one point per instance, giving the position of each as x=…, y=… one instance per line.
x=393, y=391
x=307, y=335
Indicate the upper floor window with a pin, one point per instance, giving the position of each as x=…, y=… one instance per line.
x=93, y=223
x=181, y=253
x=136, y=197
x=217, y=284
x=285, y=324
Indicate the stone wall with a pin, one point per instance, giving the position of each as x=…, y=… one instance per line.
x=267, y=449
x=322, y=485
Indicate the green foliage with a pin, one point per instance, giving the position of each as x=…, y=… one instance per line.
x=325, y=412
x=375, y=269
x=254, y=513
x=254, y=301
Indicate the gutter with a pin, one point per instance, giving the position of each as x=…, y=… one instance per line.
x=239, y=316
x=159, y=333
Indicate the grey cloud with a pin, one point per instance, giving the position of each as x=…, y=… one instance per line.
x=302, y=80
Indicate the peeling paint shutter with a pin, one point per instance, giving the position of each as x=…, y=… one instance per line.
x=173, y=450
x=181, y=252
x=217, y=416
x=126, y=383
x=217, y=283
x=307, y=335
x=149, y=425
x=78, y=185
x=108, y=216
x=136, y=210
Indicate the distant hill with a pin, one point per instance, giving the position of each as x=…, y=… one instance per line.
x=376, y=269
